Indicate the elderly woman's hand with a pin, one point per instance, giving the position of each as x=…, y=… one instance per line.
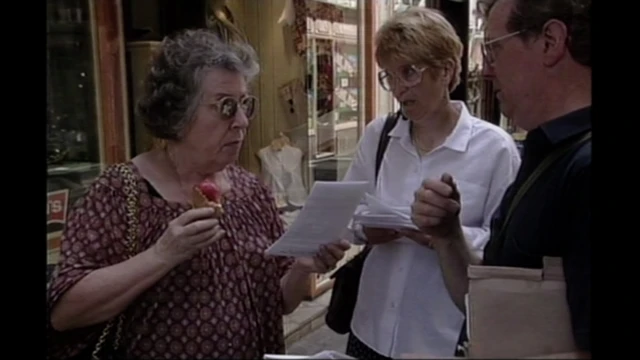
x=193, y=230
x=326, y=259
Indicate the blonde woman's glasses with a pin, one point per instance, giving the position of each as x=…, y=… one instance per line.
x=409, y=76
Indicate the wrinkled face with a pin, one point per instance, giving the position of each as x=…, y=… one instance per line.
x=221, y=118
x=514, y=66
x=418, y=90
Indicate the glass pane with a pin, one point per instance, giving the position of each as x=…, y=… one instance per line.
x=334, y=48
x=476, y=84
x=480, y=94
x=73, y=138
x=400, y=5
x=334, y=67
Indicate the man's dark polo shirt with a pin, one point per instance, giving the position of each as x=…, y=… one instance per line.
x=554, y=217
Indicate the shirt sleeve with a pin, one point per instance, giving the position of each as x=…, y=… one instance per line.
x=504, y=174
x=93, y=238
x=577, y=261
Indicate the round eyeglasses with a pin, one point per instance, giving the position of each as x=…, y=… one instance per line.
x=409, y=76
x=228, y=107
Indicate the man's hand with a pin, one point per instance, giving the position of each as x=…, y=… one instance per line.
x=376, y=236
x=436, y=207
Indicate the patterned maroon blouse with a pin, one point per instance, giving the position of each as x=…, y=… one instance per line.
x=224, y=303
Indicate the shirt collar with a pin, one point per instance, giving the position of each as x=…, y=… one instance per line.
x=567, y=126
x=459, y=138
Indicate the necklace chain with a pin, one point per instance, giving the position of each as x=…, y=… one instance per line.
x=174, y=168
x=417, y=144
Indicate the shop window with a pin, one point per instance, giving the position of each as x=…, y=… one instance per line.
x=323, y=108
x=333, y=55
x=480, y=94
x=478, y=88
x=73, y=137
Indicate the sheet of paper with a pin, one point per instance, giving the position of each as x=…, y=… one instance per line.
x=326, y=354
x=323, y=219
x=331, y=354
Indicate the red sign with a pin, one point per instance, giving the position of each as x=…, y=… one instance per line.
x=57, y=202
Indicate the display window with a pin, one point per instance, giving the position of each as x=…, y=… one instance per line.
x=332, y=43
x=86, y=101
x=74, y=156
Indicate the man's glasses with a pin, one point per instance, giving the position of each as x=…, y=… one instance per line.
x=489, y=50
x=409, y=75
x=228, y=107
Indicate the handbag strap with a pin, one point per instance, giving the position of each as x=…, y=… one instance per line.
x=548, y=161
x=389, y=124
x=131, y=191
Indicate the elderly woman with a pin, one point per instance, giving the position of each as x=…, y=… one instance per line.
x=191, y=284
x=403, y=306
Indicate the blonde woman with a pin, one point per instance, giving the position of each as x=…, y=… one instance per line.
x=403, y=305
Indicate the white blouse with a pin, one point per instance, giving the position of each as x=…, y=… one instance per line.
x=403, y=306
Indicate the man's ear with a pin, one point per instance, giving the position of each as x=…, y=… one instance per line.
x=554, y=36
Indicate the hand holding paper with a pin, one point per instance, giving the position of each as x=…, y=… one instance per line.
x=323, y=219
x=325, y=259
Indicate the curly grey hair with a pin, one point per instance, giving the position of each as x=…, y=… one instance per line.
x=172, y=88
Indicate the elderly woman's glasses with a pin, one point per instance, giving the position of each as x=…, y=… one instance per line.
x=409, y=75
x=488, y=47
x=228, y=107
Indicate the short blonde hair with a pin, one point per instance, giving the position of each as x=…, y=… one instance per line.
x=422, y=36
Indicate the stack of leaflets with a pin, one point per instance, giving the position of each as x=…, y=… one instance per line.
x=381, y=215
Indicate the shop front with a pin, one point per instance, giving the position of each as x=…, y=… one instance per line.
x=86, y=120
x=312, y=91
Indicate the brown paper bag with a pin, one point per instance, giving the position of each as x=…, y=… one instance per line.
x=517, y=312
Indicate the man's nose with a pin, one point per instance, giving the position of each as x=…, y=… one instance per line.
x=487, y=70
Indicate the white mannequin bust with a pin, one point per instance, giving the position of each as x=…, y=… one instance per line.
x=282, y=172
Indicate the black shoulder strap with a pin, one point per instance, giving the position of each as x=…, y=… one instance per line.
x=389, y=124
x=546, y=163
